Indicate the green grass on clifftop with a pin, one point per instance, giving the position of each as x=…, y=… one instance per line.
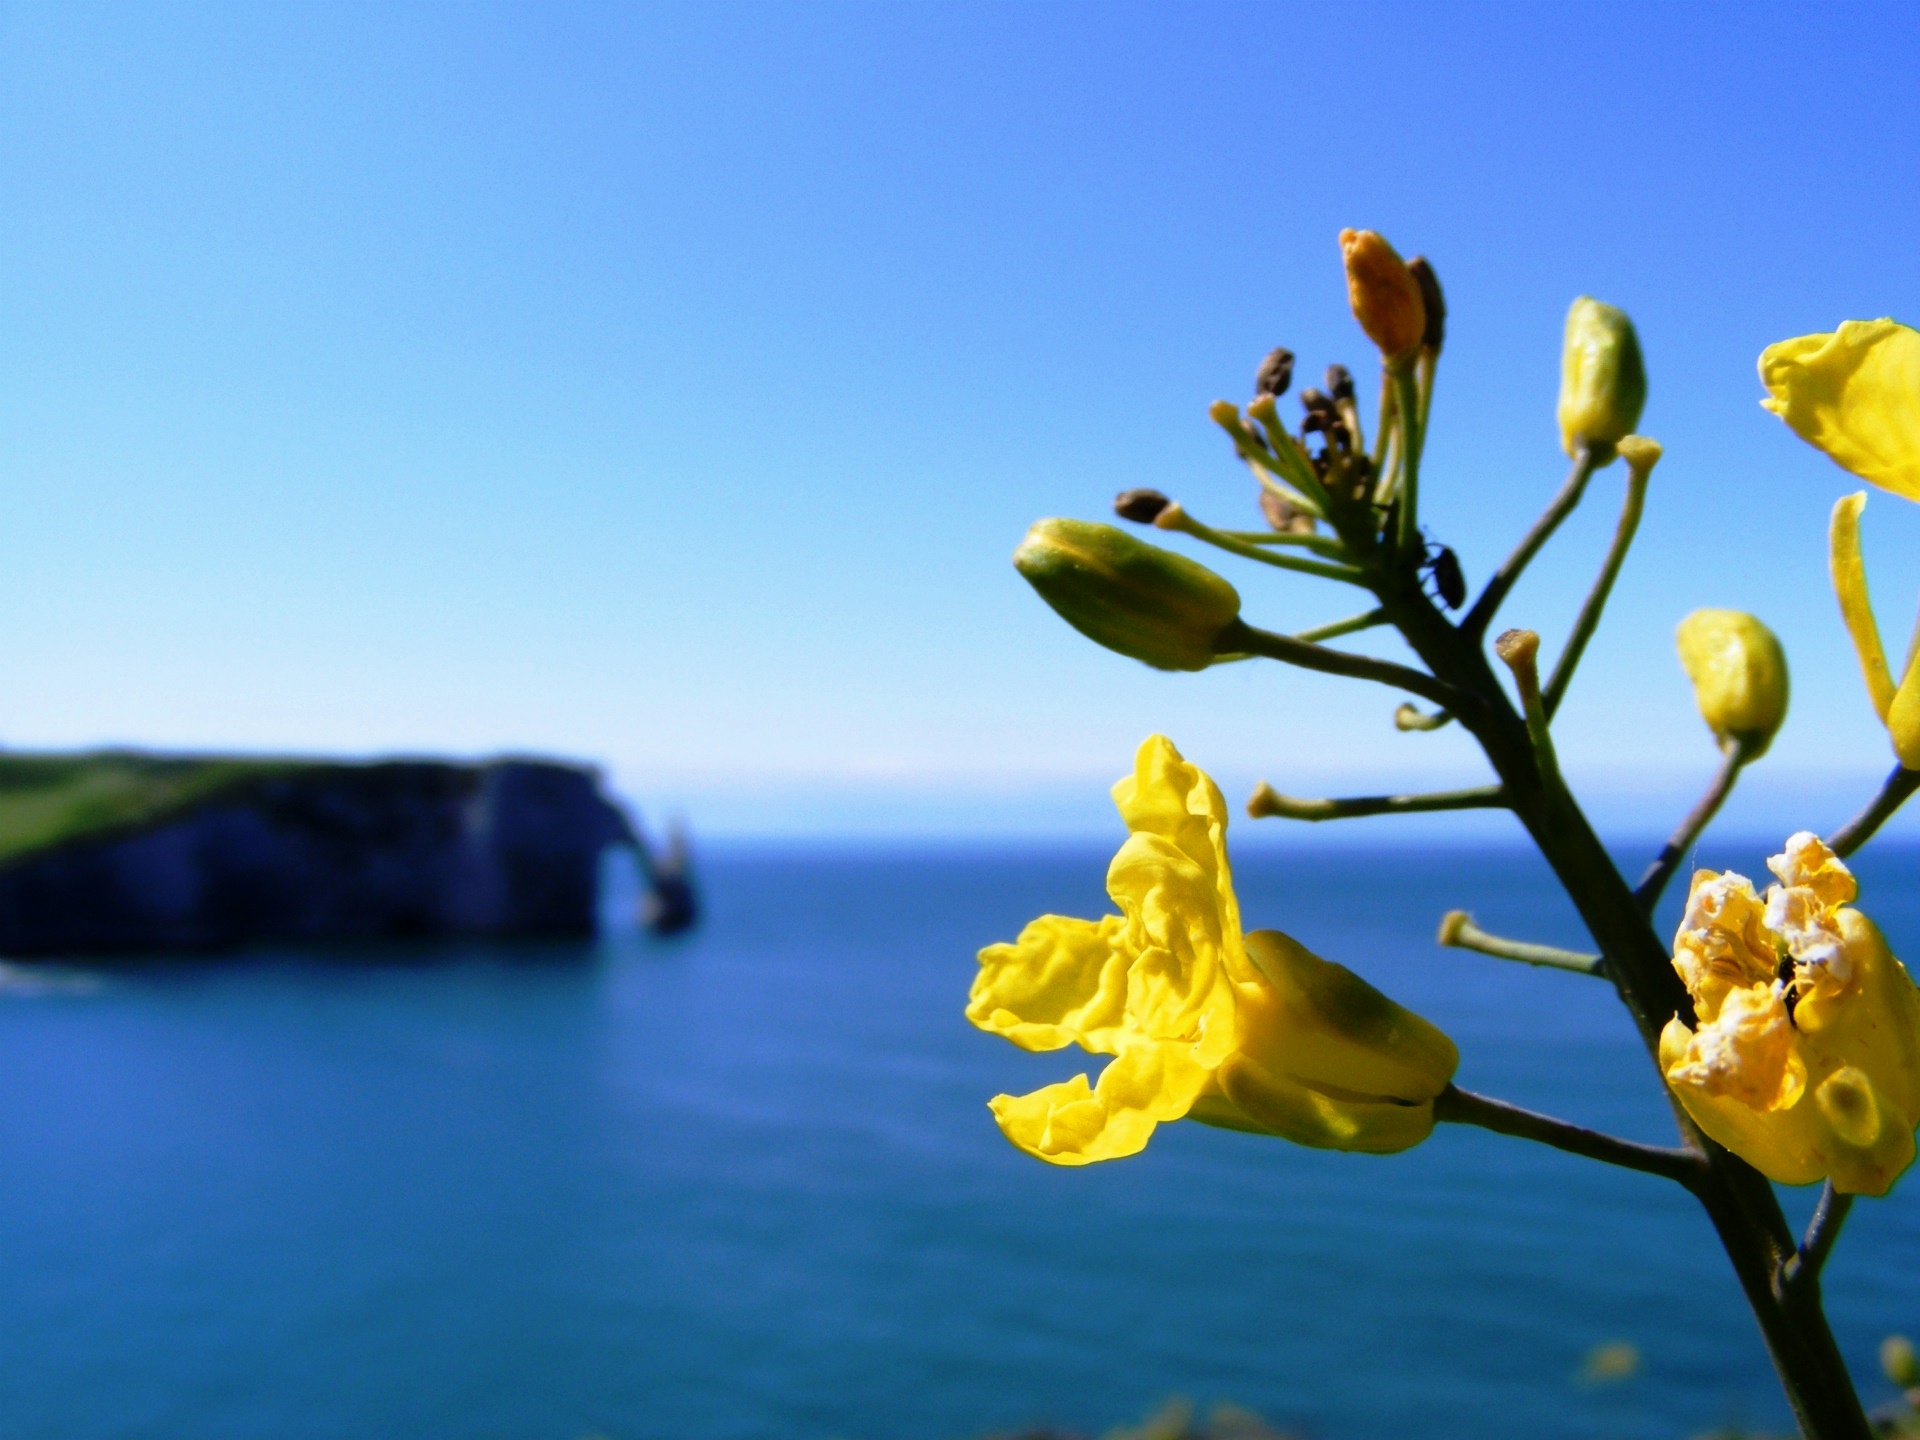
x=50, y=799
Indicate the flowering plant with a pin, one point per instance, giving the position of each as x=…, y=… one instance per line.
x=1784, y=1030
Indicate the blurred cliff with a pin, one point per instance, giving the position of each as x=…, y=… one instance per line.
x=130, y=852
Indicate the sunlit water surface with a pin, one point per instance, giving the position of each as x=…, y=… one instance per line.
x=747, y=1185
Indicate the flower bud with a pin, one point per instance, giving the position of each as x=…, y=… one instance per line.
x=1158, y=607
x=1739, y=676
x=1384, y=294
x=1275, y=373
x=1603, y=383
x=1898, y=1360
x=1435, y=302
x=1143, y=507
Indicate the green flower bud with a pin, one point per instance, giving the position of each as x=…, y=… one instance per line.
x=1158, y=607
x=1603, y=383
x=1739, y=676
x=1897, y=1358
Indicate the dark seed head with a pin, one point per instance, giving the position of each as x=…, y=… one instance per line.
x=1318, y=402
x=1142, y=507
x=1339, y=382
x=1275, y=373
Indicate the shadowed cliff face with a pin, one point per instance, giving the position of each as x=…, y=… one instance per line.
x=329, y=853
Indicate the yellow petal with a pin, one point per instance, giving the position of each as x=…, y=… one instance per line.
x=1854, y=394
x=1322, y=1026
x=1746, y=1053
x=1172, y=882
x=1850, y=584
x=1061, y=983
x=1868, y=1146
x=1903, y=719
x=1072, y=1124
x=1280, y=1105
x=1780, y=1144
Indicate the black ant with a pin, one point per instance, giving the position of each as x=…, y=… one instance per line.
x=1443, y=567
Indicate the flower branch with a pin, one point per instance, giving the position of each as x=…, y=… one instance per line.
x=1458, y=931
x=1464, y=1107
x=1268, y=803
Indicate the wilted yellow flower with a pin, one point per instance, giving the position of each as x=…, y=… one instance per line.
x=1854, y=394
x=1251, y=1032
x=1806, y=1063
x=1739, y=676
x=1384, y=293
x=1156, y=606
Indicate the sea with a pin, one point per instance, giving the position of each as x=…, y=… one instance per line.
x=744, y=1183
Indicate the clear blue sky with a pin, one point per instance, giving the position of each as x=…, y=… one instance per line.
x=670, y=386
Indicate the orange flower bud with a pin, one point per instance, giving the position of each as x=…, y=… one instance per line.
x=1384, y=293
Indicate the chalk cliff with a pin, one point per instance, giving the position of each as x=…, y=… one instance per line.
x=305, y=851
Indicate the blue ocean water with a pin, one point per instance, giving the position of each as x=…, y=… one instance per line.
x=746, y=1185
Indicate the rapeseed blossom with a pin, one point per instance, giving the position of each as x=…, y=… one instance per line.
x=1247, y=1031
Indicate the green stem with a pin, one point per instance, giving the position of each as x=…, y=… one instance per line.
x=1268, y=803
x=1647, y=892
x=1458, y=930
x=1365, y=620
x=1857, y=831
x=1407, y=402
x=1175, y=518
x=1589, y=617
x=1324, y=545
x=1738, y=1200
x=1240, y=638
x=1585, y=462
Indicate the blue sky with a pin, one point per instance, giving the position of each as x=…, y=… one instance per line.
x=669, y=387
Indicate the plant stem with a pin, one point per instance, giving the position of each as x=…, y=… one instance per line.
x=1458, y=930
x=1366, y=620
x=1407, y=402
x=1738, y=1200
x=1589, y=617
x=1802, y=1270
x=1176, y=518
x=1240, y=638
x=1463, y=1107
x=1585, y=462
x=1647, y=892
x=1269, y=803
x=1857, y=831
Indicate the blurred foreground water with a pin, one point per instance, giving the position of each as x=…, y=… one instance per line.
x=746, y=1185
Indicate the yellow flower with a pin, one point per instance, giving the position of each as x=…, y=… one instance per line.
x=1854, y=394
x=1251, y=1032
x=1806, y=1063
x=1385, y=294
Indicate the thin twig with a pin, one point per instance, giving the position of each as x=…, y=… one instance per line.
x=1802, y=1268
x=1585, y=462
x=1270, y=803
x=1173, y=517
x=1857, y=831
x=1323, y=545
x=1589, y=617
x=1240, y=638
x=1458, y=930
x=1654, y=881
x=1366, y=620
x=1463, y=1107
